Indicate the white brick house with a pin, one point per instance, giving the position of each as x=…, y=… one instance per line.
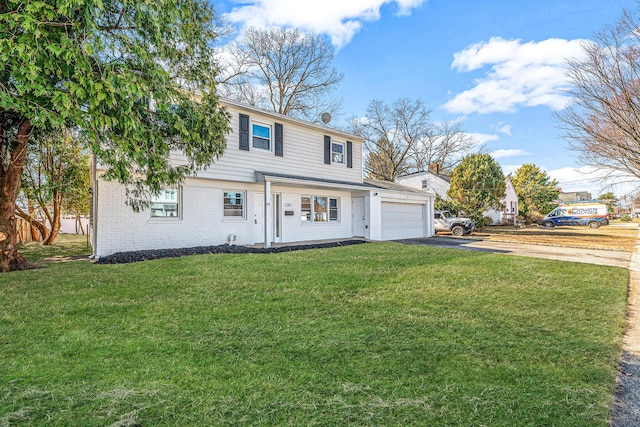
x=280, y=180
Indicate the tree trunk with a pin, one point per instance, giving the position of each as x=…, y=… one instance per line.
x=79, y=224
x=54, y=220
x=10, y=173
x=34, y=230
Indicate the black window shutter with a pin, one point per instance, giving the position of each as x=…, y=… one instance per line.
x=327, y=150
x=244, y=132
x=349, y=154
x=279, y=140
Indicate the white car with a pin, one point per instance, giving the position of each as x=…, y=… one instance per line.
x=445, y=221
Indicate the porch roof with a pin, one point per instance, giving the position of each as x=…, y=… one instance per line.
x=312, y=182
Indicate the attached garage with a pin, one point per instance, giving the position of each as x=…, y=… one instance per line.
x=402, y=220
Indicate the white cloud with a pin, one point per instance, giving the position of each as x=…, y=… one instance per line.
x=519, y=74
x=513, y=152
x=339, y=19
x=504, y=128
x=483, y=137
x=594, y=180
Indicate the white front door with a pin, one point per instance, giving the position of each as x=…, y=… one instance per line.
x=357, y=216
x=258, y=214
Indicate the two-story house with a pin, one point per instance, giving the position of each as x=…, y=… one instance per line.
x=430, y=180
x=280, y=180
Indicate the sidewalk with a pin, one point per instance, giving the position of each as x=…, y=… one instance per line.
x=626, y=401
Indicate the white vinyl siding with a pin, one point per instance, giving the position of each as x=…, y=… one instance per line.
x=303, y=154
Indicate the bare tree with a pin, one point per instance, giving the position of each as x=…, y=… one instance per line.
x=283, y=70
x=391, y=134
x=445, y=144
x=603, y=123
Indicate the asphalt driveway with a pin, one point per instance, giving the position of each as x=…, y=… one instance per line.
x=612, y=258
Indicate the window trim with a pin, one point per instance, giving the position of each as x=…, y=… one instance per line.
x=309, y=216
x=342, y=153
x=305, y=214
x=320, y=215
x=337, y=209
x=243, y=205
x=253, y=136
x=154, y=198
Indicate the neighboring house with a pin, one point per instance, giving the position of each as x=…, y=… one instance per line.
x=431, y=181
x=434, y=182
x=280, y=180
x=509, y=213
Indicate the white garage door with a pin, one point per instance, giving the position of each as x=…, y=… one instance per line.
x=402, y=221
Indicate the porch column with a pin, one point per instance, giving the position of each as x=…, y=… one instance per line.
x=429, y=217
x=374, y=201
x=268, y=214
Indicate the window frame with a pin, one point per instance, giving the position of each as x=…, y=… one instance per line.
x=342, y=153
x=269, y=140
x=305, y=209
x=312, y=212
x=320, y=208
x=156, y=199
x=243, y=205
x=336, y=209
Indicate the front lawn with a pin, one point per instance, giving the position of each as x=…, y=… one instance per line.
x=372, y=334
x=617, y=236
x=64, y=246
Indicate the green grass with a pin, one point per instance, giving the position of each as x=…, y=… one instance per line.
x=65, y=245
x=375, y=334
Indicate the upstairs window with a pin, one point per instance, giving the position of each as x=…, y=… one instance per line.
x=165, y=203
x=337, y=153
x=261, y=136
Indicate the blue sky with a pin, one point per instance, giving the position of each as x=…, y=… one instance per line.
x=496, y=65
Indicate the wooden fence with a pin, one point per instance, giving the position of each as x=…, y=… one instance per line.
x=68, y=225
x=26, y=232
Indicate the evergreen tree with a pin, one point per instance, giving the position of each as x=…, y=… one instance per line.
x=536, y=191
x=122, y=71
x=477, y=184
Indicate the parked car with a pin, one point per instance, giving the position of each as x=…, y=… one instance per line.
x=445, y=221
x=591, y=214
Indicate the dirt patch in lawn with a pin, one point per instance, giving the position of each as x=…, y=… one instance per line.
x=621, y=237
